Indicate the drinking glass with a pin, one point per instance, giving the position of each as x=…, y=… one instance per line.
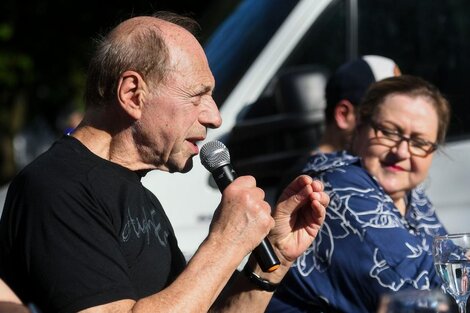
x=414, y=301
x=452, y=260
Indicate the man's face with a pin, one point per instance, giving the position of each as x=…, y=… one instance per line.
x=177, y=114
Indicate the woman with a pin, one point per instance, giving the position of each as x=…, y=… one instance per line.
x=377, y=236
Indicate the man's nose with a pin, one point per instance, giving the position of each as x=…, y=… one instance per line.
x=210, y=115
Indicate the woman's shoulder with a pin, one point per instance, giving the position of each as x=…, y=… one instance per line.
x=320, y=162
x=339, y=164
x=344, y=178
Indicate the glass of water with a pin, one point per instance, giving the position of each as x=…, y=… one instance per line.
x=452, y=260
x=414, y=301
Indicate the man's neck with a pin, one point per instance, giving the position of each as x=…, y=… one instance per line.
x=331, y=141
x=96, y=140
x=326, y=148
x=118, y=148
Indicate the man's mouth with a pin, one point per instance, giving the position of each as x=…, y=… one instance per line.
x=195, y=142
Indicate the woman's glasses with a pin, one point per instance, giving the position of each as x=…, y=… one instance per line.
x=391, y=138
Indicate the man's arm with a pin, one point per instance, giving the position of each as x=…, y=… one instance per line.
x=9, y=302
x=299, y=214
x=240, y=222
x=6, y=294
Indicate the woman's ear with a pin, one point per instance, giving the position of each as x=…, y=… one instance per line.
x=131, y=92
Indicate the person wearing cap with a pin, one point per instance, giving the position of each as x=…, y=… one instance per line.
x=344, y=91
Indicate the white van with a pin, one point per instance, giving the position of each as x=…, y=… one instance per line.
x=269, y=50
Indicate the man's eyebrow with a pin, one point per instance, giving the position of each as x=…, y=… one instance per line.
x=203, y=89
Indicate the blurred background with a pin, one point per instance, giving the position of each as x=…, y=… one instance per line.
x=45, y=46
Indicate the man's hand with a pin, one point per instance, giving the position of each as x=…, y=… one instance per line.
x=243, y=217
x=299, y=215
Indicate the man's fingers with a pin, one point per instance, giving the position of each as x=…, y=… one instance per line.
x=317, y=185
x=321, y=196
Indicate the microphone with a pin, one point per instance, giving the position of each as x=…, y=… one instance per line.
x=216, y=159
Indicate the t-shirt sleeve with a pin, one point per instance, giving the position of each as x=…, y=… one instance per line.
x=72, y=251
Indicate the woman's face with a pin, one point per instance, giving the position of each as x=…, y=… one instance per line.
x=396, y=168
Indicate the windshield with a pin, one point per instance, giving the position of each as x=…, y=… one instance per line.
x=239, y=40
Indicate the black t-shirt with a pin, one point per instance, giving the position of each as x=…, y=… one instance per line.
x=79, y=231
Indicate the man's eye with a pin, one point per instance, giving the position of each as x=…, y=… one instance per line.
x=196, y=100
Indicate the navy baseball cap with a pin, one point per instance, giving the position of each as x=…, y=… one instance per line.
x=351, y=80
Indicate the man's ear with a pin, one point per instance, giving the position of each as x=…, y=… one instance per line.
x=131, y=92
x=345, y=116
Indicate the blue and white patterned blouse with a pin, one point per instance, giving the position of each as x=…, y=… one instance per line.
x=365, y=247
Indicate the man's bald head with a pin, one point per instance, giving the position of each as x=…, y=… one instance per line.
x=140, y=44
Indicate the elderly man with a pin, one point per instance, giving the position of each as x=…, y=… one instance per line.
x=80, y=232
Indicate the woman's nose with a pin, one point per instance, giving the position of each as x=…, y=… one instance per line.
x=403, y=148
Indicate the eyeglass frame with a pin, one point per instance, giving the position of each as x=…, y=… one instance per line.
x=409, y=140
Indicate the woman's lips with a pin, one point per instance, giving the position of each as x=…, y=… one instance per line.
x=394, y=167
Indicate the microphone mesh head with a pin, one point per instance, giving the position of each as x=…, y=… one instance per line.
x=214, y=154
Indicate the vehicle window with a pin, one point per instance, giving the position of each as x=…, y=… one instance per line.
x=425, y=38
x=239, y=40
x=428, y=39
x=325, y=42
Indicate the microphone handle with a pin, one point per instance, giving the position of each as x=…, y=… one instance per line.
x=265, y=256
x=264, y=252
